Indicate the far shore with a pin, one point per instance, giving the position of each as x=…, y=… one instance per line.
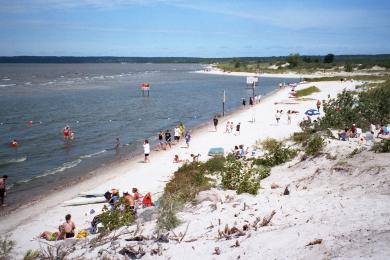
x=211, y=69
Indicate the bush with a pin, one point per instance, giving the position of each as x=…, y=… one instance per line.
x=215, y=164
x=6, y=247
x=383, y=147
x=348, y=67
x=307, y=91
x=277, y=154
x=187, y=182
x=329, y=58
x=301, y=137
x=315, y=145
x=365, y=108
x=32, y=255
x=121, y=215
x=240, y=177
x=270, y=144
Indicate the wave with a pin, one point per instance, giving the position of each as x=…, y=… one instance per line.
x=6, y=79
x=12, y=160
x=6, y=85
x=27, y=83
x=58, y=169
x=92, y=154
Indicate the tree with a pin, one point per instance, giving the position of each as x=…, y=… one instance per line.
x=294, y=59
x=329, y=58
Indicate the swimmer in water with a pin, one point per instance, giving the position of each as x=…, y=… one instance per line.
x=67, y=132
x=14, y=143
x=118, y=143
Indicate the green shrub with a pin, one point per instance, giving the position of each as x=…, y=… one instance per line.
x=187, y=182
x=315, y=145
x=270, y=144
x=301, y=137
x=240, y=177
x=121, y=215
x=382, y=147
x=6, y=246
x=277, y=154
x=215, y=164
x=307, y=91
x=32, y=255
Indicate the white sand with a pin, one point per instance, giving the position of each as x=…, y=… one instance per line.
x=27, y=223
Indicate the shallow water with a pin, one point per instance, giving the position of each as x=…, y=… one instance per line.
x=100, y=102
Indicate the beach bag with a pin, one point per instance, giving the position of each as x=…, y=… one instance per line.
x=81, y=234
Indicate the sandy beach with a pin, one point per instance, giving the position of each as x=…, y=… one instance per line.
x=26, y=223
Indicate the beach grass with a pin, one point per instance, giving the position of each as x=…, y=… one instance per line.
x=307, y=91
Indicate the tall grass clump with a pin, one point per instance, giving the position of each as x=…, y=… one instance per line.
x=187, y=182
x=277, y=153
x=307, y=91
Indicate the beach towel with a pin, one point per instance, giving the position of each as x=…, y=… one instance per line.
x=214, y=151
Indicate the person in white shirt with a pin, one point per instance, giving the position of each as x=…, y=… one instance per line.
x=176, y=135
x=146, y=150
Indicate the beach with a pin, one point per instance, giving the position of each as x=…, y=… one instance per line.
x=27, y=222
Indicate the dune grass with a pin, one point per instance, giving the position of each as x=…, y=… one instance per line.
x=307, y=91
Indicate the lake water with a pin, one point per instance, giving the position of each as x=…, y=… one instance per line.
x=100, y=102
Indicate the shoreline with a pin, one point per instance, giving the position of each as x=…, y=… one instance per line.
x=104, y=171
x=151, y=177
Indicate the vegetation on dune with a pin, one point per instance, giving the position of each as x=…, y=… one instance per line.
x=304, y=63
x=6, y=246
x=121, y=215
x=363, y=108
x=307, y=91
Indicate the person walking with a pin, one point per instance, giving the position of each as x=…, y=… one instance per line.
x=3, y=192
x=146, y=150
x=215, y=121
x=231, y=127
x=238, y=128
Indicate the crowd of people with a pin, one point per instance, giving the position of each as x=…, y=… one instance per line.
x=134, y=201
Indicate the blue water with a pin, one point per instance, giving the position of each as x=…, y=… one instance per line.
x=100, y=102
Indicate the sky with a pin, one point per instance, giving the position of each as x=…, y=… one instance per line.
x=185, y=28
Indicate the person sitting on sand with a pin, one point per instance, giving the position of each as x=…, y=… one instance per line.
x=136, y=194
x=53, y=236
x=147, y=200
x=114, y=197
x=68, y=227
x=195, y=158
x=129, y=199
x=176, y=159
x=353, y=131
x=343, y=136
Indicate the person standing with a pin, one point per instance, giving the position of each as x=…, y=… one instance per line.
x=289, y=117
x=318, y=105
x=231, y=127
x=251, y=101
x=277, y=116
x=182, y=129
x=227, y=130
x=238, y=128
x=3, y=192
x=243, y=102
x=146, y=150
x=161, y=140
x=176, y=135
x=168, y=138
x=188, y=138
x=117, y=144
x=215, y=121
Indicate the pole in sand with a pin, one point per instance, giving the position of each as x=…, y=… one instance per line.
x=223, y=103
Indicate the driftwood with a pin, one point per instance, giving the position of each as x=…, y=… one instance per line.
x=237, y=244
x=286, y=191
x=132, y=252
x=136, y=238
x=315, y=242
x=185, y=232
x=266, y=221
x=162, y=238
